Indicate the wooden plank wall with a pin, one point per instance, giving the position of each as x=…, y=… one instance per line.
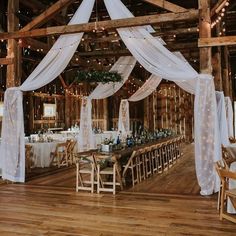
x=172, y=108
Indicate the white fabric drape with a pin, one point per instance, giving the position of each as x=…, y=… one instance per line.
x=12, y=145
x=86, y=138
x=150, y=53
x=207, y=140
x=123, y=66
x=147, y=88
x=144, y=91
x=123, y=122
x=230, y=116
x=223, y=125
x=158, y=60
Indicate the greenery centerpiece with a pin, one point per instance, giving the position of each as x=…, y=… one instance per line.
x=97, y=76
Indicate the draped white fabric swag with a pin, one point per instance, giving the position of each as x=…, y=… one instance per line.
x=123, y=121
x=155, y=58
x=158, y=60
x=223, y=124
x=229, y=116
x=123, y=66
x=12, y=154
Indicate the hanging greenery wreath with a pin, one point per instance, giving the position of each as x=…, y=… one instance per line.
x=97, y=76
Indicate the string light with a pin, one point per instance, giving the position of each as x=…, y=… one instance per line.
x=220, y=11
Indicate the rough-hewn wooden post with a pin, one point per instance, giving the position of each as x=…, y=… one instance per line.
x=146, y=113
x=205, y=32
x=31, y=113
x=14, y=51
x=105, y=114
x=225, y=66
x=67, y=109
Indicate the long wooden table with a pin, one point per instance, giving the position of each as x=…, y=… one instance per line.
x=121, y=156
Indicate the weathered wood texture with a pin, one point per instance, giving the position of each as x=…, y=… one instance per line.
x=47, y=14
x=180, y=179
x=13, y=49
x=111, y=24
x=170, y=108
x=49, y=210
x=205, y=32
x=167, y=5
x=217, y=41
x=34, y=210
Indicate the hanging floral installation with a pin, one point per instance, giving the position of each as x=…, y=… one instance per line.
x=97, y=76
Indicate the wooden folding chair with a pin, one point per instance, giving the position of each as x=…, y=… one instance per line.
x=106, y=173
x=85, y=172
x=60, y=156
x=70, y=151
x=29, y=163
x=132, y=166
x=225, y=175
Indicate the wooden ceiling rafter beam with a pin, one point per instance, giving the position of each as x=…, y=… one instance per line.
x=217, y=41
x=47, y=14
x=125, y=52
x=109, y=24
x=6, y=61
x=34, y=45
x=167, y=5
x=218, y=5
x=113, y=38
x=37, y=6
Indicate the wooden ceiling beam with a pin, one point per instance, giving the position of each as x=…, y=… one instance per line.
x=113, y=38
x=218, y=5
x=6, y=61
x=34, y=45
x=37, y=7
x=126, y=52
x=167, y=5
x=217, y=41
x=47, y=14
x=110, y=24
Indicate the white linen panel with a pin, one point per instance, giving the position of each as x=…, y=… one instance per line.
x=230, y=116
x=223, y=125
x=147, y=88
x=86, y=138
x=207, y=140
x=49, y=68
x=158, y=60
x=123, y=66
x=123, y=122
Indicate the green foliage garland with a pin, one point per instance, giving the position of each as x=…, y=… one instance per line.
x=97, y=76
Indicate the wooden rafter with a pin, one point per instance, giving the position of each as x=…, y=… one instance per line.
x=217, y=41
x=111, y=24
x=125, y=52
x=34, y=45
x=47, y=14
x=217, y=6
x=111, y=38
x=167, y=5
x=38, y=6
x=6, y=61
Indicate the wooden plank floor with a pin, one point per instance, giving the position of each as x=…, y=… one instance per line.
x=179, y=179
x=45, y=210
x=50, y=206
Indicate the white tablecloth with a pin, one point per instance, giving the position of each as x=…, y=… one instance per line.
x=42, y=152
x=232, y=184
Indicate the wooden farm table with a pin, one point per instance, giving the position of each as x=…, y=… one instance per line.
x=120, y=157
